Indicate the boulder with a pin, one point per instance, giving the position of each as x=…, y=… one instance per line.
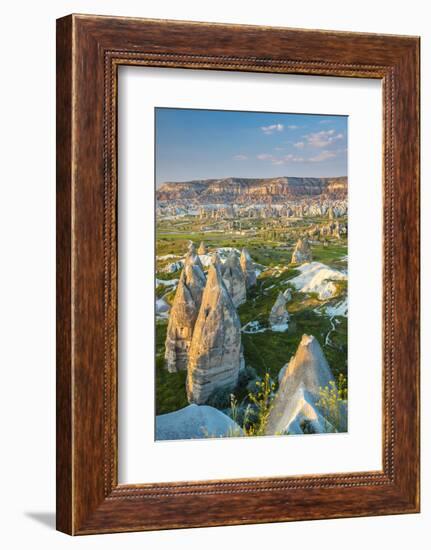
x=279, y=317
x=302, y=252
x=295, y=407
x=247, y=266
x=215, y=356
x=234, y=279
x=195, y=422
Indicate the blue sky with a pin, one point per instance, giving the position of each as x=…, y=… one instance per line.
x=199, y=144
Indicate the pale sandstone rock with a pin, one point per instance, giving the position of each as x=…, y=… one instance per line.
x=279, y=317
x=295, y=402
x=183, y=315
x=234, y=279
x=302, y=252
x=247, y=266
x=202, y=249
x=215, y=356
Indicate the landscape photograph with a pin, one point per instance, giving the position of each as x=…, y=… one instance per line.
x=251, y=274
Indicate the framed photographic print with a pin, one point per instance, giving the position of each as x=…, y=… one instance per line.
x=237, y=274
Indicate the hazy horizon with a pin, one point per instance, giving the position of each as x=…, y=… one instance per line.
x=200, y=144
x=249, y=178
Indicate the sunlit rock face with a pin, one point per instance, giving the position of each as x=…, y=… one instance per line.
x=279, y=317
x=248, y=269
x=202, y=249
x=215, y=356
x=302, y=252
x=234, y=279
x=296, y=402
x=183, y=315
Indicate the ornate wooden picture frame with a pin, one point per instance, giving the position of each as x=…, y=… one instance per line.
x=89, y=51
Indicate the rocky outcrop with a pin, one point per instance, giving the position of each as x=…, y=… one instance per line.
x=215, y=356
x=234, y=279
x=295, y=407
x=203, y=249
x=181, y=323
x=320, y=279
x=195, y=422
x=302, y=252
x=279, y=317
x=248, y=269
x=184, y=312
x=192, y=258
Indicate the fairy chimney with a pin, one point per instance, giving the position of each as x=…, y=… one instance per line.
x=215, y=356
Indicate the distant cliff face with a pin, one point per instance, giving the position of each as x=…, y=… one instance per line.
x=241, y=190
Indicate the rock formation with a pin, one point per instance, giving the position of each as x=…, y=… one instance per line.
x=295, y=407
x=318, y=278
x=202, y=249
x=195, y=422
x=287, y=294
x=192, y=258
x=234, y=279
x=279, y=317
x=215, y=356
x=184, y=312
x=302, y=252
x=247, y=267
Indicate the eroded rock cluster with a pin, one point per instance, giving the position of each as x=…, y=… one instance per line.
x=204, y=329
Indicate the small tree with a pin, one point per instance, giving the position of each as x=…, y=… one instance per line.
x=262, y=400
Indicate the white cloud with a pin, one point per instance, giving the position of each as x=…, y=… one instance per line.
x=322, y=138
x=268, y=130
x=325, y=121
x=299, y=145
x=240, y=157
x=322, y=156
x=285, y=159
x=264, y=156
x=293, y=127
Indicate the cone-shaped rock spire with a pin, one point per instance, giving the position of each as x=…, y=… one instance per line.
x=202, y=248
x=215, y=354
x=247, y=267
x=181, y=323
x=234, y=279
x=279, y=317
x=302, y=252
x=295, y=402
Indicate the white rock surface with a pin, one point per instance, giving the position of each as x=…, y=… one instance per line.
x=296, y=399
x=195, y=422
x=318, y=277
